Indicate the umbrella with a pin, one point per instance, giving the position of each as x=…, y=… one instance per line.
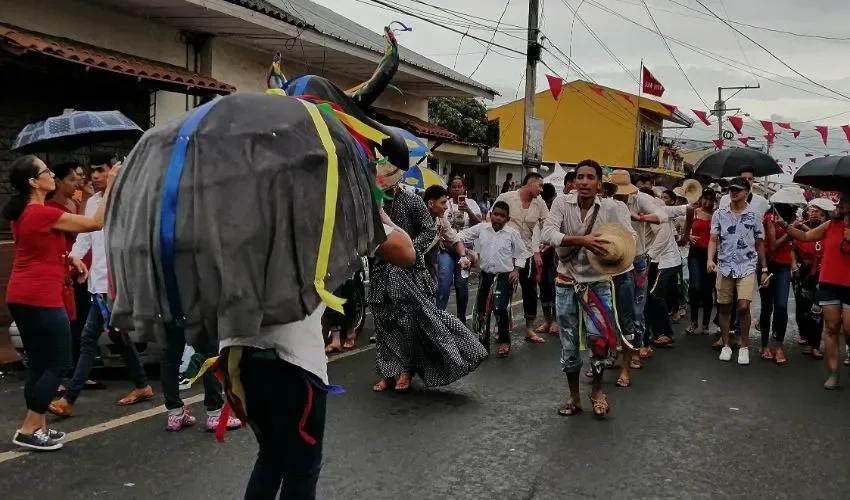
x=728, y=163
x=830, y=173
x=790, y=195
x=422, y=178
x=415, y=146
x=74, y=130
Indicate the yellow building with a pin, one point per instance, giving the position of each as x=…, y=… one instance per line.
x=592, y=121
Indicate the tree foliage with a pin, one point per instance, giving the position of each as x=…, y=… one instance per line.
x=465, y=117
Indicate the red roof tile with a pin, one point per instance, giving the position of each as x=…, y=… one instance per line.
x=108, y=60
x=417, y=126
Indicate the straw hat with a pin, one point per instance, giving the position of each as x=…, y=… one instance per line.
x=621, y=250
x=690, y=190
x=387, y=175
x=623, y=181
x=609, y=186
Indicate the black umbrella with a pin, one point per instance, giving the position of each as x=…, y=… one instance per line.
x=728, y=163
x=74, y=130
x=830, y=173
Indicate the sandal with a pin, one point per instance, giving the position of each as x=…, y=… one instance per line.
x=635, y=364
x=349, y=342
x=600, y=406
x=402, y=383
x=766, y=353
x=691, y=330
x=645, y=352
x=331, y=349
x=504, y=350
x=383, y=385
x=623, y=381
x=569, y=409
x=136, y=396
x=779, y=357
x=533, y=337
x=544, y=328
x=589, y=373
x=554, y=329
x=663, y=341
x=802, y=340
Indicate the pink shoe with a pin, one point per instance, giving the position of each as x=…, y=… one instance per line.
x=232, y=423
x=178, y=422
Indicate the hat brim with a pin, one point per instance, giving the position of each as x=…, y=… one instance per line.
x=626, y=189
x=620, y=237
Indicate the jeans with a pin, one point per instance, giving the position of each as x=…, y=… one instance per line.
x=528, y=282
x=547, y=281
x=287, y=414
x=809, y=324
x=494, y=295
x=46, y=336
x=774, y=299
x=641, y=287
x=658, y=311
x=701, y=286
x=170, y=372
x=92, y=331
x=568, y=310
x=624, y=294
x=449, y=274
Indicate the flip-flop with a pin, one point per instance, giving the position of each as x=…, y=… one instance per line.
x=624, y=382
x=504, y=350
x=383, y=385
x=349, y=343
x=635, y=364
x=544, y=328
x=332, y=349
x=536, y=339
x=569, y=410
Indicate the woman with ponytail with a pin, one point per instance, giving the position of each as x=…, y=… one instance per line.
x=34, y=293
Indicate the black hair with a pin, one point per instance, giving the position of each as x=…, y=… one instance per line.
x=593, y=164
x=509, y=175
x=501, y=205
x=457, y=178
x=747, y=168
x=61, y=170
x=570, y=176
x=649, y=191
x=434, y=193
x=103, y=159
x=20, y=172
x=644, y=177
x=549, y=192
x=787, y=212
x=529, y=176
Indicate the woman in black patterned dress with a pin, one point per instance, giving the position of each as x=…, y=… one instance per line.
x=414, y=337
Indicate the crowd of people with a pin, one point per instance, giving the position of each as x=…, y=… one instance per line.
x=613, y=262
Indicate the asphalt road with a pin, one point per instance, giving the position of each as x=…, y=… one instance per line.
x=690, y=427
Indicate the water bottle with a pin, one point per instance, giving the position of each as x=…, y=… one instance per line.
x=464, y=272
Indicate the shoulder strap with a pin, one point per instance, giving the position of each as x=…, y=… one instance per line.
x=571, y=253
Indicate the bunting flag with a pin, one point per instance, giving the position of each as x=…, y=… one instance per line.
x=703, y=116
x=744, y=140
x=737, y=122
x=671, y=108
x=770, y=137
x=556, y=84
x=651, y=85
x=846, y=129
x=785, y=125
x=599, y=90
x=627, y=97
x=718, y=143
x=809, y=155
x=792, y=159
x=768, y=126
x=796, y=134
x=822, y=130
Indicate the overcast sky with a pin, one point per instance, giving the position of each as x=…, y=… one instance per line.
x=824, y=61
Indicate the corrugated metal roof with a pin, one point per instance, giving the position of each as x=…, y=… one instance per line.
x=310, y=15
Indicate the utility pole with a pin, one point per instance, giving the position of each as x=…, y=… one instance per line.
x=532, y=135
x=720, y=108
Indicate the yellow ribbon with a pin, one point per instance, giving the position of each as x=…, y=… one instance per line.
x=331, y=194
x=276, y=92
x=361, y=128
x=204, y=367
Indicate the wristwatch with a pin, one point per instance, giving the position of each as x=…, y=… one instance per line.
x=764, y=269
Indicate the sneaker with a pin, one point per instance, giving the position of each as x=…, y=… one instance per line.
x=743, y=356
x=55, y=435
x=232, y=423
x=179, y=421
x=183, y=383
x=38, y=440
x=726, y=353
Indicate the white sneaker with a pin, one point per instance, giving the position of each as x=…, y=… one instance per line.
x=726, y=353
x=743, y=356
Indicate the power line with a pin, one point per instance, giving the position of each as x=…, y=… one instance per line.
x=437, y=7
x=495, y=30
x=771, y=53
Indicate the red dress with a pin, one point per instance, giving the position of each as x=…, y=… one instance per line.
x=68, y=289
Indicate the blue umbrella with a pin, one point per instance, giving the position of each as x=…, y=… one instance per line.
x=416, y=148
x=74, y=130
x=419, y=177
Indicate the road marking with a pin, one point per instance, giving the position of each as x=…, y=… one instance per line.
x=152, y=412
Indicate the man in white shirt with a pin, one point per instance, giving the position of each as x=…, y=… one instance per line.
x=757, y=202
x=98, y=319
x=501, y=252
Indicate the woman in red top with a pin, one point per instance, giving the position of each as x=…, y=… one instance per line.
x=67, y=181
x=34, y=291
x=834, y=287
x=809, y=315
x=701, y=285
x=781, y=262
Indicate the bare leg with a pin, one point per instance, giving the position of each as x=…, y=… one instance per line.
x=32, y=422
x=744, y=319
x=724, y=312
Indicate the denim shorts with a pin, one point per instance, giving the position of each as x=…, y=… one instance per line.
x=829, y=294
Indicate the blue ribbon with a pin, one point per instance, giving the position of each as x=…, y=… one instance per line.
x=168, y=212
x=104, y=310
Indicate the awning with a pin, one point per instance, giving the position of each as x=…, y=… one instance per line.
x=415, y=125
x=165, y=76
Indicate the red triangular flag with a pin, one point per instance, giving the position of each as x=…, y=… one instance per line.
x=785, y=125
x=846, y=129
x=792, y=160
x=796, y=133
x=744, y=140
x=768, y=126
x=599, y=90
x=556, y=84
x=651, y=85
x=671, y=108
x=718, y=143
x=737, y=122
x=809, y=155
x=823, y=131
x=627, y=97
x=769, y=137
x=702, y=115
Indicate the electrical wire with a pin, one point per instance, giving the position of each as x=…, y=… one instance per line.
x=518, y=27
x=495, y=30
x=670, y=50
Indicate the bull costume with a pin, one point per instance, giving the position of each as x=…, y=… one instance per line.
x=256, y=278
